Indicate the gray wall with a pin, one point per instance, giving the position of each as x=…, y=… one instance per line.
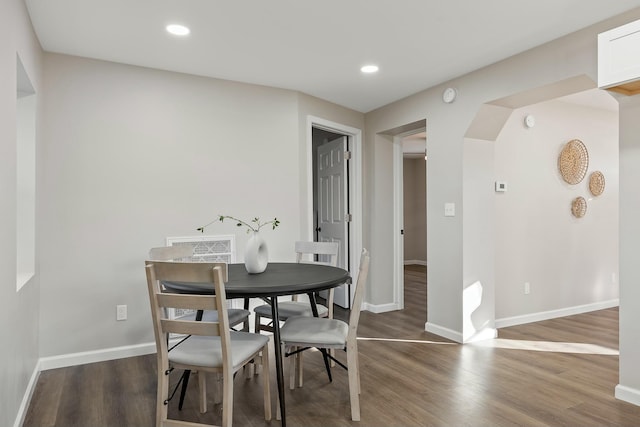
x=133, y=155
x=128, y=156
x=567, y=261
x=19, y=311
x=629, y=387
x=453, y=266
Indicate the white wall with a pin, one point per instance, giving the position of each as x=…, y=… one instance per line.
x=18, y=310
x=569, y=262
x=133, y=155
x=478, y=295
x=451, y=266
x=629, y=387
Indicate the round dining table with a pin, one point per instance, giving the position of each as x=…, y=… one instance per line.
x=279, y=279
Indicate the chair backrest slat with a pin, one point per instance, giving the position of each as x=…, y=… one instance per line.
x=168, y=253
x=326, y=249
x=196, y=272
x=186, y=272
x=194, y=302
x=189, y=327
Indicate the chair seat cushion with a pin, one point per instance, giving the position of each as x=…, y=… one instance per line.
x=287, y=309
x=314, y=332
x=206, y=351
x=236, y=315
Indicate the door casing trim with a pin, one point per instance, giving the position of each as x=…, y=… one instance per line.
x=355, y=185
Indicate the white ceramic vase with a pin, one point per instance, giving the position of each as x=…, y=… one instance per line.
x=256, y=255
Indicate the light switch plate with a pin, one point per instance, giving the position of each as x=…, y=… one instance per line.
x=449, y=209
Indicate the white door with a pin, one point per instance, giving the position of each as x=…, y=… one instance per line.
x=333, y=204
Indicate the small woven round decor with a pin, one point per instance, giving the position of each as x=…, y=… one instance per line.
x=573, y=161
x=579, y=207
x=596, y=183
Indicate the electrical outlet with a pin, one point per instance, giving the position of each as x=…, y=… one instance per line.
x=121, y=312
x=527, y=288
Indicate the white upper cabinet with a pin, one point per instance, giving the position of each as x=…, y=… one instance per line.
x=619, y=59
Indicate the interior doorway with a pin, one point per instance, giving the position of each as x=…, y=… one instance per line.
x=397, y=136
x=331, y=197
x=414, y=222
x=334, y=190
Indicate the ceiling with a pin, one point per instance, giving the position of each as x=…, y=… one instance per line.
x=315, y=47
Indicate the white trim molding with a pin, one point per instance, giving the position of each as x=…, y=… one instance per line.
x=398, y=223
x=443, y=332
x=355, y=184
x=628, y=394
x=28, y=394
x=379, y=308
x=415, y=262
x=552, y=314
x=102, y=355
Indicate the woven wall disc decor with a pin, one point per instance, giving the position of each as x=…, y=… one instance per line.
x=573, y=161
x=579, y=207
x=596, y=183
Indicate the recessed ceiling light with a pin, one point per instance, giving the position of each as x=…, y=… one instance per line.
x=369, y=69
x=178, y=30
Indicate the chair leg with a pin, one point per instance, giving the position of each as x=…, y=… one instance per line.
x=299, y=367
x=266, y=385
x=326, y=363
x=292, y=367
x=217, y=389
x=354, y=382
x=227, y=398
x=256, y=326
x=185, y=380
x=257, y=366
x=162, y=396
x=202, y=389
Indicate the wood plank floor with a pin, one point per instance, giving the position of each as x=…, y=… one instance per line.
x=560, y=372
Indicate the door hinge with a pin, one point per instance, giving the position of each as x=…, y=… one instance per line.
x=347, y=218
x=347, y=155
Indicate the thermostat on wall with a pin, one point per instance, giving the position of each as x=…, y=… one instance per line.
x=501, y=186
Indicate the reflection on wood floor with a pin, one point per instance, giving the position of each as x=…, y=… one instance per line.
x=409, y=378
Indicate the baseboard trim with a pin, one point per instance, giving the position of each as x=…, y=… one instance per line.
x=380, y=308
x=628, y=394
x=443, y=332
x=482, y=335
x=552, y=314
x=415, y=262
x=28, y=394
x=102, y=355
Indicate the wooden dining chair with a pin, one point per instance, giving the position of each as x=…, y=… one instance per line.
x=327, y=252
x=308, y=252
x=211, y=346
x=182, y=253
x=237, y=316
x=305, y=332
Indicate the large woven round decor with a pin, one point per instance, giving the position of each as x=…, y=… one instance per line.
x=573, y=161
x=579, y=207
x=596, y=183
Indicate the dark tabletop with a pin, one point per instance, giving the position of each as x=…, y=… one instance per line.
x=280, y=278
